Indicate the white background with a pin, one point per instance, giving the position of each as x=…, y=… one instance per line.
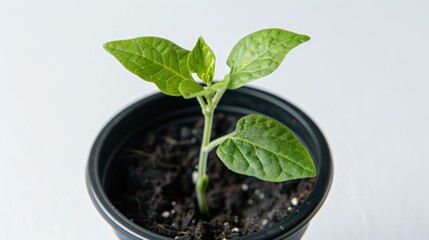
x=363, y=78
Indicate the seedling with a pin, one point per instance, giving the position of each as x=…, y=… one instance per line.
x=260, y=146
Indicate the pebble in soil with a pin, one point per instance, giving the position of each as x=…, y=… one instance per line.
x=156, y=189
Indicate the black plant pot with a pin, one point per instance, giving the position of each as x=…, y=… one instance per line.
x=161, y=109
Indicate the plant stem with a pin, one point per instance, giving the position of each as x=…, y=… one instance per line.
x=208, y=108
x=202, y=180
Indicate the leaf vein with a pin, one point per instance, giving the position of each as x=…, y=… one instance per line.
x=261, y=54
x=277, y=154
x=153, y=62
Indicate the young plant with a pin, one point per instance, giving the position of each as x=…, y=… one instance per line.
x=260, y=146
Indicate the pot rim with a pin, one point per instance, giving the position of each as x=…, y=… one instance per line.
x=285, y=227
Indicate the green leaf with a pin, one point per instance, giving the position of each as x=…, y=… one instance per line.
x=153, y=59
x=221, y=85
x=191, y=89
x=202, y=61
x=259, y=54
x=264, y=148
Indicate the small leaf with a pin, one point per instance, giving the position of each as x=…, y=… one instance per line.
x=221, y=85
x=153, y=59
x=202, y=61
x=191, y=89
x=259, y=54
x=264, y=148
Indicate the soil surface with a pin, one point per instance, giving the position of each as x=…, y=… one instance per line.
x=156, y=187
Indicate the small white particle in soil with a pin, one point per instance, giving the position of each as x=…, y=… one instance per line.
x=264, y=222
x=261, y=196
x=250, y=201
x=165, y=214
x=194, y=176
x=226, y=223
x=289, y=209
x=257, y=191
x=235, y=219
x=173, y=203
x=173, y=211
x=244, y=187
x=235, y=230
x=294, y=201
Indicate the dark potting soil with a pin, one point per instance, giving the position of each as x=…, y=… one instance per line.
x=156, y=189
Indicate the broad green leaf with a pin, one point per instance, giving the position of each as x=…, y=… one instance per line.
x=190, y=89
x=202, y=61
x=153, y=59
x=266, y=149
x=259, y=54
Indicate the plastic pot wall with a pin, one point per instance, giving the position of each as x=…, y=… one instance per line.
x=160, y=109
